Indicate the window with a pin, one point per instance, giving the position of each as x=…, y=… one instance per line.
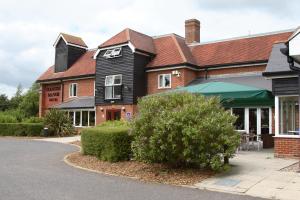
x=82, y=118
x=71, y=117
x=112, y=53
x=240, y=121
x=85, y=118
x=164, y=81
x=73, y=90
x=91, y=118
x=77, y=118
x=113, y=87
x=288, y=115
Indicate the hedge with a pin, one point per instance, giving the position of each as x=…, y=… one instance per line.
x=21, y=129
x=108, y=143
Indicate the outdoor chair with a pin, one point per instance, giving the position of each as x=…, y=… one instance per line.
x=255, y=141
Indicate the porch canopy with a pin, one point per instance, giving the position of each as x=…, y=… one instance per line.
x=232, y=94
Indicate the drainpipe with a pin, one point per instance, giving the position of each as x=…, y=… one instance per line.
x=62, y=91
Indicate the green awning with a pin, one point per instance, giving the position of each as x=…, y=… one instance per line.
x=233, y=95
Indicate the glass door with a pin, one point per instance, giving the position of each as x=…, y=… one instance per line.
x=265, y=121
x=253, y=120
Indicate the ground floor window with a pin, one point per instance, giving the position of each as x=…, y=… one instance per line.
x=253, y=120
x=287, y=108
x=240, y=121
x=82, y=118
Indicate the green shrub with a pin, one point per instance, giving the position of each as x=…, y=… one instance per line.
x=183, y=129
x=58, y=123
x=5, y=118
x=20, y=129
x=34, y=120
x=114, y=123
x=16, y=113
x=108, y=143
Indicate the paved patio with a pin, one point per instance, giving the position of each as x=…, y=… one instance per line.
x=257, y=174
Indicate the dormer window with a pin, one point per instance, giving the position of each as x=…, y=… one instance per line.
x=113, y=53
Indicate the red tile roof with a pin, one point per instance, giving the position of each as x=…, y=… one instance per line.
x=171, y=49
x=85, y=65
x=237, y=50
x=74, y=40
x=140, y=41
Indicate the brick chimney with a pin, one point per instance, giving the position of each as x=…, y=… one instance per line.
x=192, y=31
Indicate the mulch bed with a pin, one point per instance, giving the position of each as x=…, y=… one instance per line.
x=158, y=173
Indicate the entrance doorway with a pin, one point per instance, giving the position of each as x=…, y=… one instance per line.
x=113, y=114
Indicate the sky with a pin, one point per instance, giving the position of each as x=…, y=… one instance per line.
x=28, y=29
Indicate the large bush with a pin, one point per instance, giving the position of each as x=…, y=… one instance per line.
x=109, y=142
x=183, y=129
x=21, y=129
x=58, y=123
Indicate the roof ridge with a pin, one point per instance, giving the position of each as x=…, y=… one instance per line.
x=243, y=37
x=179, y=47
x=127, y=34
x=167, y=35
x=70, y=35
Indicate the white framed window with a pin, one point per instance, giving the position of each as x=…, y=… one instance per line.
x=257, y=120
x=113, y=53
x=164, y=81
x=113, y=86
x=73, y=90
x=287, y=115
x=82, y=118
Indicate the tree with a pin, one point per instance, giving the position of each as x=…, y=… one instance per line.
x=17, y=98
x=183, y=129
x=29, y=104
x=4, y=102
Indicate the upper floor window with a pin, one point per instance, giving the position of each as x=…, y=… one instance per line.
x=164, y=81
x=112, y=53
x=113, y=87
x=73, y=90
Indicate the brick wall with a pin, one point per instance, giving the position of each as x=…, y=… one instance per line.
x=51, y=94
x=85, y=87
x=186, y=76
x=287, y=147
x=101, y=111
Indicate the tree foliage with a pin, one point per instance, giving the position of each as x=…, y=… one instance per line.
x=183, y=129
x=29, y=104
x=21, y=105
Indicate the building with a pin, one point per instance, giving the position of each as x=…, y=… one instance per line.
x=95, y=85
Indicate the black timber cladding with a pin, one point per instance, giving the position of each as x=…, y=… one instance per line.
x=285, y=86
x=132, y=68
x=61, y=56
x=66, y=56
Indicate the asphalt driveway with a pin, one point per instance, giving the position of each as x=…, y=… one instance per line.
x=35, y=170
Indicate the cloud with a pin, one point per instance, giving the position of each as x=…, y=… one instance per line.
x=29, y=29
